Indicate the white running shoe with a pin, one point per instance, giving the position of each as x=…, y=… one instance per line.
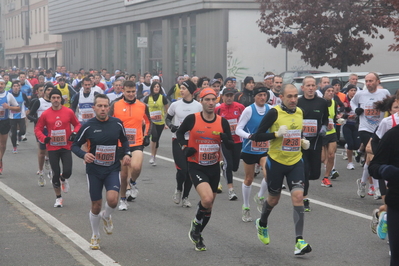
x=361, y=188
x=186, y=203
x=350, y=166
x=374, y=221
x=377, y=194
x=177, y=196
x=246, y=215
x=65, y=186
x=108, y=225
x=257, y=169
x=232, y=195
x=259, y=202
x=133, y=191
x=41, y=182
x=95, y=243
x=58, y=203
x=152, y=160
x=123, y=205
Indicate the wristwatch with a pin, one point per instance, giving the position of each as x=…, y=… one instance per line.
x=129, y=153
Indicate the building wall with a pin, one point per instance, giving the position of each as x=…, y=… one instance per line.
x=26, y=35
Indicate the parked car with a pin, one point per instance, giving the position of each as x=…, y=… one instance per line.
x=342, y=76
x=391, y=83
x=288, y=76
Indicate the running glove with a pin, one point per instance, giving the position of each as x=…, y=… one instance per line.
x=146, y=141
x=305, y=144
x=173, y=129
x=72, y=136
x=359, y=111
x=47, y=140
x=323, y=130
x=189, y=151
x=281, y=131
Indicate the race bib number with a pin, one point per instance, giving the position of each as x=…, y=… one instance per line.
x=105, y=155
x=292, y=140
x=309, y=128
x=372, y=115
x=208, y=154
x=2, y=112
x=156, y=116
x=233, y=125
x=58, y=138
x=87, y=114
x=131, y=135
x=260, y=146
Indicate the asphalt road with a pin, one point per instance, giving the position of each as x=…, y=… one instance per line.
x=154, y=230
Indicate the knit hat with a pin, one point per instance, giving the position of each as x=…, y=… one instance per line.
x=247, y=80
x=218, y=76
x=351, y=86
x=262, y=89
x=190, y=86
x=323, y=90
x=229, y=79
x=207, y=91
x=55, y=91
x=335, y=81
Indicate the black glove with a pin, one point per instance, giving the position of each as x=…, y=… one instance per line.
x=173, y=129
x=359, y=111
x=146, y=141
x=47, y=140
x=72, y=136
x=189, y=151
x=224, y=137
x=252, y=137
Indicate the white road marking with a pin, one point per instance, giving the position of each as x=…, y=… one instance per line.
x=98, y=255
x=314, y=201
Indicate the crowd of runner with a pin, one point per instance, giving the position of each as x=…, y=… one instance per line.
x=107, y=120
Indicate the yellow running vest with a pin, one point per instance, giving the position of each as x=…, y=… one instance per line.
x=157, y=110
x=331, y=115
x=65, y=94
x=287, y=149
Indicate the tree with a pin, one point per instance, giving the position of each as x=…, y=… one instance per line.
x=325, y=31
x=394, y=27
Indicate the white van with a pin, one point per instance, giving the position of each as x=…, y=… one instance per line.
x=342, y=76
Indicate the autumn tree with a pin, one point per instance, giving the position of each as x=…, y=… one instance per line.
x=325, y=31
x=394, y=27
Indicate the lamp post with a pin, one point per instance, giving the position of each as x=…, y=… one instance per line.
x=284, y=45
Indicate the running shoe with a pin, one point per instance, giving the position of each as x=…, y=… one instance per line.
x=123, y=205
x=108, y=225
x=246, y=214
x=283, y=187
x=325, y=182
x=23, y=137
x=374, y=221
x=232, y=195
x=219, y=188
x=377, y=194
x=1, y=167
x=344, y=153
x=358, y=156
x=334, y=174
x=41, y=182
x=65, y=186
x=46, y=163
x=50, y=175
x=195, y=236
x=350, y=166
x=301, y=247
x=133, y=191
x=95, y=243
x=257, y=169
x=362, y=161
x=200, y=246
x=177, y=196
x=382, y=228
x=58, y=203
x=129, y=195
x=14, y=150
x=259, y=202
x=306, y=205
x=152, y=160
x=361, y=188
x=371, y=191
x=263, y=233
x=186, y=203
x=19, y=139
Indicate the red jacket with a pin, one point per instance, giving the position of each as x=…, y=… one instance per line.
x=232, y=113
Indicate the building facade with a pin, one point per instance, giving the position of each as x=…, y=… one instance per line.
x=195, y=37
x=26, y=38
